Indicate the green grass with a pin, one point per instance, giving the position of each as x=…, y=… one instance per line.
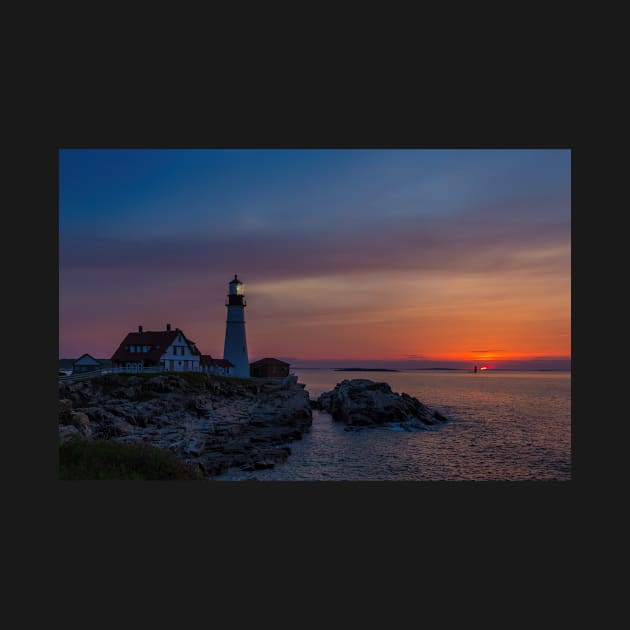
x=106, y=459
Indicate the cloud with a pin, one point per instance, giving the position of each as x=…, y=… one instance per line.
x=445, y=244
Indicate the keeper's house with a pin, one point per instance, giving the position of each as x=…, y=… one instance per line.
x=85, y=363
x=168, y=349
x=269, y=368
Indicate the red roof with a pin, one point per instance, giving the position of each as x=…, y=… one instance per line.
x=206, y=359
x=268, y=361
x=159, y=341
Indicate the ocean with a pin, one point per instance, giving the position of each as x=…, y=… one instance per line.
x=506, y=426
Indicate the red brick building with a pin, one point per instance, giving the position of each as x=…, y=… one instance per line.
x=269, y=368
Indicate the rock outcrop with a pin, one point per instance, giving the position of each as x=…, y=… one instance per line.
x=362, y=402
x=212, y=423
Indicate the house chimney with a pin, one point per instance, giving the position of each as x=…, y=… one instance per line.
x=139, y=328
x=168, y=327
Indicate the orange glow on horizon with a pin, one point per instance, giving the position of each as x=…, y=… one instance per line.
x=458, y=316
x=433, y=316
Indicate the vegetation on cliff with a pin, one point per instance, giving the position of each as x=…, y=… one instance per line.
x=106, y=459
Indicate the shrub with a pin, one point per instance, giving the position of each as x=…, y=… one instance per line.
x=106, y=459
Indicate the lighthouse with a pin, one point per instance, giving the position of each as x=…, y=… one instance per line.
x=235, y=348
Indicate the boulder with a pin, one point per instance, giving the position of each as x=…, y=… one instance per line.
x=81, y=422
x=65, y=405
x=67, y=432
x=362, y=402
x=116, y=428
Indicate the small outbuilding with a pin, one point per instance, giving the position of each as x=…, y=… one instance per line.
x=222, y=367
x=269, y=368
x=86, y=363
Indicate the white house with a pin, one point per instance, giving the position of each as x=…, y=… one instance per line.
x=85, y=363
x=169, y=349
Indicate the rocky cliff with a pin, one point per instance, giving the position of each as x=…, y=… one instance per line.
x=207, y=421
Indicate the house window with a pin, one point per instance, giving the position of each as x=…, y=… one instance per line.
x=132, y=348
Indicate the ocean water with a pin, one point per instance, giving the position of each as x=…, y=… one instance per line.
x=504, y=426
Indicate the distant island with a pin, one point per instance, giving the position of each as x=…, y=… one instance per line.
x=358, y=369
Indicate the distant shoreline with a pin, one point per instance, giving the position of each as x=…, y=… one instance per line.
x=357, y=369
x=66, y=364
x=430, y=369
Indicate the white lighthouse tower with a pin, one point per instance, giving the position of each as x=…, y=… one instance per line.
x=235, y=348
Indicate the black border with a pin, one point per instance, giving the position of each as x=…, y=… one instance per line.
x=285, y=515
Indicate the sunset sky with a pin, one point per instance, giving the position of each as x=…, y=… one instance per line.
x=392, y=258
